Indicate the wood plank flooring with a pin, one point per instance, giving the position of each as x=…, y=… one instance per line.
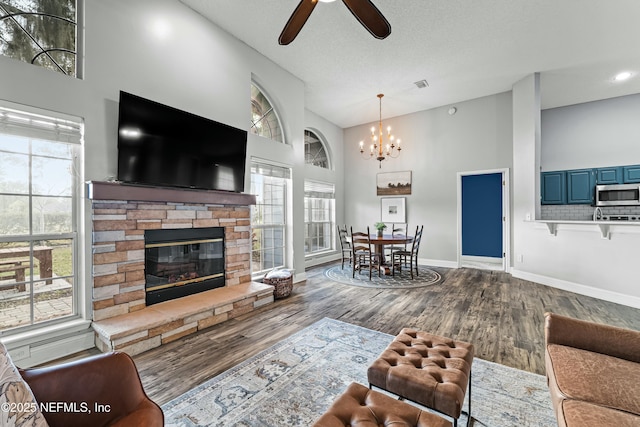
x=502, y=316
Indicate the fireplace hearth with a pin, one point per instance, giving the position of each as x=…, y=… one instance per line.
x=181, y=262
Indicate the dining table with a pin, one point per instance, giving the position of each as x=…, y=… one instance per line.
x=379, y=242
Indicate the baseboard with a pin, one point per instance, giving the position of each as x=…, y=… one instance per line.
x=577, y=288
x=321, y=259
x=299, y=277
x=438, y=263
x=49, y=343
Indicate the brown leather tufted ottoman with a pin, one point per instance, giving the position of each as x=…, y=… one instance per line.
x=428, y=369
x=360, y=407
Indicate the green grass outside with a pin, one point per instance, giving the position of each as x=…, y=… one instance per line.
x=62, y=258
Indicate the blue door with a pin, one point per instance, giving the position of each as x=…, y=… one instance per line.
x=482, y=215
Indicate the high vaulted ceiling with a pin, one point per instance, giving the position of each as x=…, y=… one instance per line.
x=465, y=49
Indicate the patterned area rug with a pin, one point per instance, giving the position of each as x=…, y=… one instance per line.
x=425, y=277
x=296, y=380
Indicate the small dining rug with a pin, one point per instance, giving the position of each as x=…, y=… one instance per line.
x=294, y=382
x=425, y=277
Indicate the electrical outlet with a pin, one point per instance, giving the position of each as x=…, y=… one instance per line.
x=521, y=258
x=20, y=352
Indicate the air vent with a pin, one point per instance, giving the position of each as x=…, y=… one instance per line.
x=421, y=84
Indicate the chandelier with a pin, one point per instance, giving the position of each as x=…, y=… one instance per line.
x=378, y=149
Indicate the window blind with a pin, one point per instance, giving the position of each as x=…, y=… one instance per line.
x=319, y=190
x=267, y=169
x=28, y=124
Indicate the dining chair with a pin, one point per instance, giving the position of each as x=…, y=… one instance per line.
x=363, y=255
x=400, y=258
x=345, y=245
x=397, y=229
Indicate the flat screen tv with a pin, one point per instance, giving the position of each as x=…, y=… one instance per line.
x=162, y=146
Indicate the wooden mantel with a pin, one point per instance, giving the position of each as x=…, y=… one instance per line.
x=107, y=190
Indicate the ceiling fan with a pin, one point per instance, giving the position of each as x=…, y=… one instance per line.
x=364, y=11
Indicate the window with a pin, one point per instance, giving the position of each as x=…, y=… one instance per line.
x=268, y=217
x=314, y=151
x=40, y=32
x=264, y=119
x=319, y=217
x=39, y=184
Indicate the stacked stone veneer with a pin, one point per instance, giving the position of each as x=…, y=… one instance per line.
x=118, y=247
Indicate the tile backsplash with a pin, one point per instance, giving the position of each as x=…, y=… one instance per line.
x=584, y=212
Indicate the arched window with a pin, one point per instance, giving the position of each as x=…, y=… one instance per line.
x=314, y=151
x=264, y=119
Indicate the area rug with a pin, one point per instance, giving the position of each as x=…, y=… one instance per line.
x=425, y=277
x=293, y=382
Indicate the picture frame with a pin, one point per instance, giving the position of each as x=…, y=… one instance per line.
x=393, y=209
x=393, y=183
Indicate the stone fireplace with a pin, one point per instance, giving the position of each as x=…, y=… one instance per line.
x=121, y=215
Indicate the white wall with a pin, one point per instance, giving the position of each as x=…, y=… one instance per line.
x=195, y=66
x=436, y=146
x=593, y=134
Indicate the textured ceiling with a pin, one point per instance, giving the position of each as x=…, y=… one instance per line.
x=465, y=49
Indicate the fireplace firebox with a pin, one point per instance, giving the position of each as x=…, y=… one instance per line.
x=181, y=262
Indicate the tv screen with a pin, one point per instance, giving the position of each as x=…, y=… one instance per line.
x=163, y=146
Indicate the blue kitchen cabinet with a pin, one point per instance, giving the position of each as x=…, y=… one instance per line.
x=610, y=175
x=581, y=184
x=631, y=174
x=554, y=188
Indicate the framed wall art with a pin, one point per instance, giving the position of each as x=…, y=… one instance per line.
x=393, y=209
x=393, y=183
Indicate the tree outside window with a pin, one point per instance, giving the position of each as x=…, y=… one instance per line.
x=314, y=151
x=40, y=32
x=264, y=119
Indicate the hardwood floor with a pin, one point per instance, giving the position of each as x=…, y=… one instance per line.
x=502, y=316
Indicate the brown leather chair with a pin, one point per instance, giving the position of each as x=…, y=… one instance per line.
x=108, y=385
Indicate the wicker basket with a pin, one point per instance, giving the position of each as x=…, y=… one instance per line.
x=283, y=285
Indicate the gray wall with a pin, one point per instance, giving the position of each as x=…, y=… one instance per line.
x=436, y=146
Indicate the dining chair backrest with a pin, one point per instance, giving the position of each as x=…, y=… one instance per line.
x=399, y=229
x=342, y=234
x=360, y=241
x=417, y=238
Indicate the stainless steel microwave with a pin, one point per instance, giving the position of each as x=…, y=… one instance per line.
x=618, y=195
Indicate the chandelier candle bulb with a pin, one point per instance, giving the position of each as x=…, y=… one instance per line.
x=384, y=150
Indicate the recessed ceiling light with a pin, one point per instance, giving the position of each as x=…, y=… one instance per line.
x=622, y=76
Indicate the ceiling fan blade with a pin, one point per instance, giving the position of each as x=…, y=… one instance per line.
x=296, y=21
x=370, y=17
